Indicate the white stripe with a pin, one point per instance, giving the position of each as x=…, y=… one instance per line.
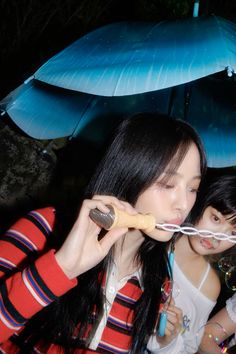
x=3, y=352
x=120, y=321
x=41, y=216
x=24, y=237
x=126, y=297
x=32, y=291
x=7, y=261
x=4, y=320
x=112, y=346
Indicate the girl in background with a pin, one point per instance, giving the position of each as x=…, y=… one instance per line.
x=197, y=281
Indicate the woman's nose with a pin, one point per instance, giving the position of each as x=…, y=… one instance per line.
x=226, y=228
x=181, y=202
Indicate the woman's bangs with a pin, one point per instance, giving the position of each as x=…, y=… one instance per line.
x=179, y=156
x=232, y=219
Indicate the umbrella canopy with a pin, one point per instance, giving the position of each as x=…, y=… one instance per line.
x=125, y=68
x=46, y=112
x=128, y=58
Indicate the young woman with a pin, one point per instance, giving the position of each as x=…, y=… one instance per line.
x=101, y=291
x=198, y=282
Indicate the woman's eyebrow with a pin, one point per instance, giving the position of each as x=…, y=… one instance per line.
x=174, y=173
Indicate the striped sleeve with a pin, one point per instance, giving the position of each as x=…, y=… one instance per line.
x=29, y=234
x=26, y=292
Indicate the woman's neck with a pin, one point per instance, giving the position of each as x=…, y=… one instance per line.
x=125, y=252
x=184, y=251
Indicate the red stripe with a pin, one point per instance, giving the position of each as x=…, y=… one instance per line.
x=112, y=336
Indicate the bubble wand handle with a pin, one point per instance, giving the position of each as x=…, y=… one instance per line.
x=119, y=218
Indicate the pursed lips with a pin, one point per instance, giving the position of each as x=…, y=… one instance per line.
x=209, y=243
x=174, y=221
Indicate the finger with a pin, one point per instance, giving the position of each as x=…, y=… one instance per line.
x=97, y=203
x=120, y=204
x=170, y=329
x=168, y=332
x=111, y=237
x=106, y=200
x=176, y=310
x=172, y=319
x=176, y=322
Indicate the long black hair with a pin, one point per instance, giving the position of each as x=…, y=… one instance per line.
x=142, y=148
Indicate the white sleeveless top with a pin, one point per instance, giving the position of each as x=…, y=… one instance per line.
x=231, y=308
x=196, y=309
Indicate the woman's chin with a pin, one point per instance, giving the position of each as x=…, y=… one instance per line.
x=160, y=235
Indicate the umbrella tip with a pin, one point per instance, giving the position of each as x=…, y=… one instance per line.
x=230, y=71
x=196, y=8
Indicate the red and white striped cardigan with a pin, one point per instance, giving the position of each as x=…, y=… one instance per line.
x=26, y=288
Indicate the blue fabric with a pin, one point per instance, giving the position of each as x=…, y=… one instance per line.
x=129, y=67
x=47, y=112
x=127, y=58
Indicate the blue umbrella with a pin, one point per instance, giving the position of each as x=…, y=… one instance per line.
x=134, y=57
x=128, y=67
x=48, y=112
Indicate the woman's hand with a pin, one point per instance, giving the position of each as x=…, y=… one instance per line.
x=173, y=326
x=81, y=250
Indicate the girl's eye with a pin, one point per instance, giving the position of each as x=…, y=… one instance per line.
x=215, y=218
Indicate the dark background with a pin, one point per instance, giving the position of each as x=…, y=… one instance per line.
x=35, y=173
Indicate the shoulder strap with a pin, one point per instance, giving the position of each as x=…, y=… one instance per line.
x=204, y=276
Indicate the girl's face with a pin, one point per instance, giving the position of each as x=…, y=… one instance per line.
x=173, y=195
x=214, y=221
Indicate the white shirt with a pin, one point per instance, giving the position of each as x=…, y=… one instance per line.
x=196, y=308
x=113, y=285
x=231, y=307
x=231, y=310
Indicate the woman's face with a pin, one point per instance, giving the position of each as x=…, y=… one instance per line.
x=214, y=221
x=173, y=195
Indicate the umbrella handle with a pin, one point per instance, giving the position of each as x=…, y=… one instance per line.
x=118, y=218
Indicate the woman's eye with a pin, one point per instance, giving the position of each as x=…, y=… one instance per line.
x=215, y=218
x=193, y=190
x=169, y=186
x=165, y=185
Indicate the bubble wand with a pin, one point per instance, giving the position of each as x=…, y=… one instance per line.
x=146, y=222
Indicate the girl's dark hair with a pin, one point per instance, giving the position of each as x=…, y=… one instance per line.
x=217, y=189
x=143, y=146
